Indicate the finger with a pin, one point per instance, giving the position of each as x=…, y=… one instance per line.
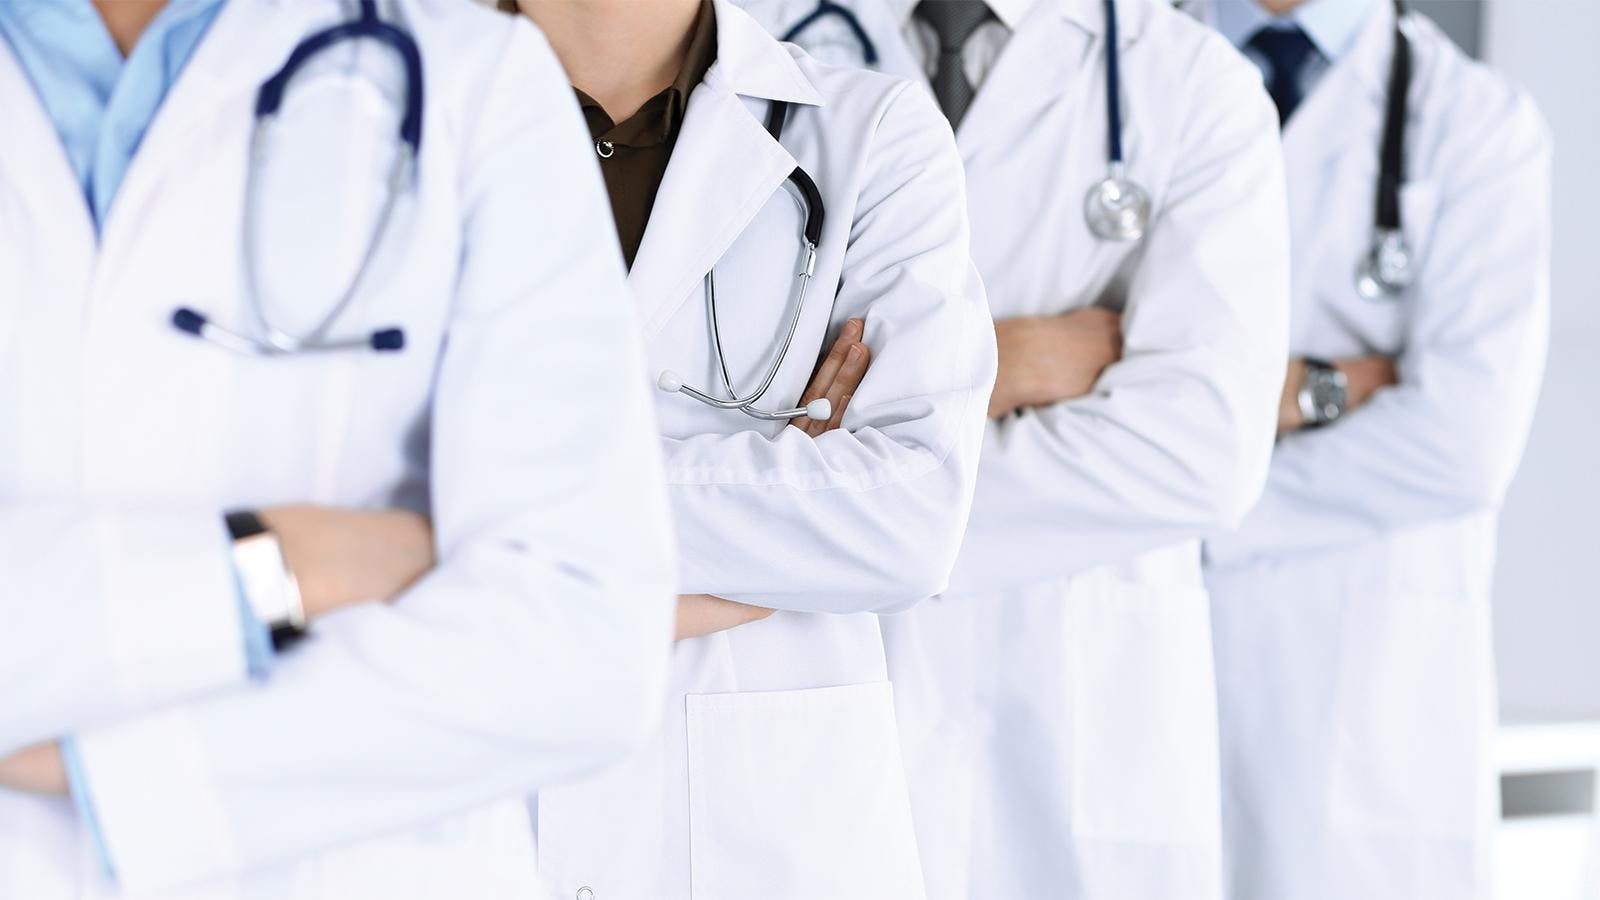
x=838, y=413
x=829, y=368
x=844, y=386
x=827, y=371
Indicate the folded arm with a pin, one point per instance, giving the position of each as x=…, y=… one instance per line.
x=1445, y=441
x=111, y=611
x=537, y=647
x=1172, y=443
x=868, y=516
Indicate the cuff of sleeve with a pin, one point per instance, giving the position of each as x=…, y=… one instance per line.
x=78, y=785
x=158, y=813
x=170, y=628
x=258, y=649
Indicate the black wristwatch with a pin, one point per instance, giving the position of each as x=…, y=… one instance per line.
x=1325, y=393
x=269, y=587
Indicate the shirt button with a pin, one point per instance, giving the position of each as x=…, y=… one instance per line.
x=585, y=893
x=606, y=149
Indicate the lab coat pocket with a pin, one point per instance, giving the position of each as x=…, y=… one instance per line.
x=1144, y=727
x=799, y=795
x=1415, y=716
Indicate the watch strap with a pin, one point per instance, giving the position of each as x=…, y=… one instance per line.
x=244, y=524
x=266, y=588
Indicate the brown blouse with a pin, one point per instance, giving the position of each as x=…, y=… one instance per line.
x=634, y=152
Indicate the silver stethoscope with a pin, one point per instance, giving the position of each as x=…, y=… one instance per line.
x=809, y=199
x=1116, y=208
x=273, y=341
x=1389, y=266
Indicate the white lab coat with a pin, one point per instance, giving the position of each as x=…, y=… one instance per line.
x=1351, y=610
x=1057, y=704
x=405, y=734
x=777, y=774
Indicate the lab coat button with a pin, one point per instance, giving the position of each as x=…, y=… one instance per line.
x=585, y=893
x=605, y=148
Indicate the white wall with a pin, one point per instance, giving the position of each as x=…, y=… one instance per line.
x=1548, y=587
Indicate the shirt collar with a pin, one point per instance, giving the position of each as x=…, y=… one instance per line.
x=658, y=119
x=697, y=59
x=1009, y=12
x=1332, y=25
x=174, y=10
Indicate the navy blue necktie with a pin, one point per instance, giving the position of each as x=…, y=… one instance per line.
x=1286, y=51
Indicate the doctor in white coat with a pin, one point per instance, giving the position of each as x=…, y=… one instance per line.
x=1057, y=703
x=386, y=755
x=777, y=772
x=1351, y=609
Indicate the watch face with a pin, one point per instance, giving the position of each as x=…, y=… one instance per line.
x=1325, y=391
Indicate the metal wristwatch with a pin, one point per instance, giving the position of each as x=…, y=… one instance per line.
x=1324, y=394
x=269, y=587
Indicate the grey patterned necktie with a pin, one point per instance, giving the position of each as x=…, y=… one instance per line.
x=953, y=21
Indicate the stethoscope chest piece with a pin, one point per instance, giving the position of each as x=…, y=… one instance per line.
x=1116, y=207
x=1387, y=268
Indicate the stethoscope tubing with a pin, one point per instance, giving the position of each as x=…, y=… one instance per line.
x=812, y=215
x=402, y=175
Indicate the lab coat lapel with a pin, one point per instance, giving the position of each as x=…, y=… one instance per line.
x=1345, y=110
x=246, y=43
x=724, y=169
x=1049, y=55
x=32, y=159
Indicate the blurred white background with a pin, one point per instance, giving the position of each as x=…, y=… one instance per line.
x=1547, y=592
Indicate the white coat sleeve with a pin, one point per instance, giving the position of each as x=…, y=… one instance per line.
x=1446, y=440
x=109, y=612
x=869, y=516
x=1173, y=442
x=537, y=648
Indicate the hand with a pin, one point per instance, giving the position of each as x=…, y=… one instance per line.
x=37, y=769
x=345, y=556
x=702, y=614
x=1364, y=375
x=837, y=377
x=1047, y=359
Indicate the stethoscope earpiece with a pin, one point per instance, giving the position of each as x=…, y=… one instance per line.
x=192, y=322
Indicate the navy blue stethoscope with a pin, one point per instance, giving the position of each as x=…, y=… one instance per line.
x=1116, y=207
x=270, y=340
x=1389, y=265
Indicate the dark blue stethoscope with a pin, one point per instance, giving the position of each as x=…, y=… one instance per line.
x=1116, y=207
x=270, y=340
x=826, y=8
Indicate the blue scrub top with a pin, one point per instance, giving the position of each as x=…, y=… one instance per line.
x=100, y=103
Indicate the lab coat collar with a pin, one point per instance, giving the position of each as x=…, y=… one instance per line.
x=1009, y=12
x=1090, y=16
x=1348, y=102
x=751, y=63
x=725, y=166
x=1041, y=62
x=1372, y=51
x=240, y=50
